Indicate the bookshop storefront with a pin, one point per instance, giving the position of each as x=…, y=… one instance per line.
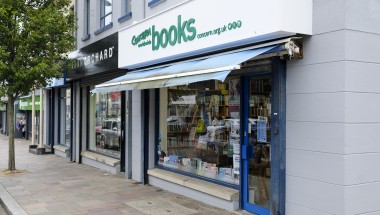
x=219, y=111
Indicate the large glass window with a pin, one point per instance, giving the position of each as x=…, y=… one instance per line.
x=105, y=12
x=65, y=117
x=199, y=129
x=105, y=123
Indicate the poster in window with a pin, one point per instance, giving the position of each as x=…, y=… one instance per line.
x=236, y=159
x=262, y=129
x=234, y=92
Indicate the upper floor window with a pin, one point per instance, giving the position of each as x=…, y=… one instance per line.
x=86, y=24
x=153, y=3
x=127, y=7
x=126, y=10
x=105, y=12
x=87, y=17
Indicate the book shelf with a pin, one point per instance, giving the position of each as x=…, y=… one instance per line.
x=184, y=129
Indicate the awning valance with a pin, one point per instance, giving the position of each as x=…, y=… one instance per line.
x=215, y=67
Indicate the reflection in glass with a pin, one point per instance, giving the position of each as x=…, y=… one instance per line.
x=105, y=137
x=68, y=117
x=259, y=138
x=65, y=117
x=199, y=129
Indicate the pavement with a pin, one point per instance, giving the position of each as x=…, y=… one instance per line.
x=49, y=184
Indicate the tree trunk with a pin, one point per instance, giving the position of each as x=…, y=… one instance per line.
x=11, y=131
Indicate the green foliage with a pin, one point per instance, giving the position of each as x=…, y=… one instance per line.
x=35, y=36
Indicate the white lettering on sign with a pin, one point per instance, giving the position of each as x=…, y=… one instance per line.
x=96, y=57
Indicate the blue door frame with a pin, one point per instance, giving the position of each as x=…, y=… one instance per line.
x=278, y=120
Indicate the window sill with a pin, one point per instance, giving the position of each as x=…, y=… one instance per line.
x=87, y=37
x=61, y=148
x=103, y=29
x=219, y=191
x=101, y=158
x=125, y=17
x=154, y=3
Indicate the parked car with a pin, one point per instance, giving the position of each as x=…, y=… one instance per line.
x=98, y=126
x=110, y=133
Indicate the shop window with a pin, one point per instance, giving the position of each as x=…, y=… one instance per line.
x=65, y=117
x=105, y=13
x=105, y=123
x=199, y=129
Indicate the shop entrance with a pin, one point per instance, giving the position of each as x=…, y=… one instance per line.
x=262, y=182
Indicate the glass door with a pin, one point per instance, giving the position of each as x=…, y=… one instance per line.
x=256, y=149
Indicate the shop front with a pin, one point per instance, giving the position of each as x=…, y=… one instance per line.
x=99, y=116
x=24, y=116
x=3, y=118
x=217, y=87
x=58, y=115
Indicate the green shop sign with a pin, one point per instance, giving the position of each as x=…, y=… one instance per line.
x=183, y=31
x=26, y=103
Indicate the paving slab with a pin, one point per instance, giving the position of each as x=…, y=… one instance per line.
x=53, y=185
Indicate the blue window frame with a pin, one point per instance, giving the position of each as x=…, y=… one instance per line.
x=105, y=12
x=86, y=34
x=277, y=147
x=126, y=10
x=154, y=2
x=87, y=16
x=127, y=6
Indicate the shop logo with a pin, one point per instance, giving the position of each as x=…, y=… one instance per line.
x=96, y=57
x=145, y=34
x=184, y=31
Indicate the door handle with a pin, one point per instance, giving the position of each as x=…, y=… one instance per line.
x=276, y=128
x=275, y=124
x=246, y=152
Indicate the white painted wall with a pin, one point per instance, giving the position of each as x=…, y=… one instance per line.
x=76, y=121
x=157, y=8
x=137, y=137
x=45, y=137
x=152, y=137
x=84, y=105
x=333, y=118
x=140, y=10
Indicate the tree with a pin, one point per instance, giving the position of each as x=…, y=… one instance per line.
x=35, y=36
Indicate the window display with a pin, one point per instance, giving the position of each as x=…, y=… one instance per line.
x=106, y=123
x=200, y=129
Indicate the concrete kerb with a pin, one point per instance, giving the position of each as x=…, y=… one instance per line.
x=9, y=203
